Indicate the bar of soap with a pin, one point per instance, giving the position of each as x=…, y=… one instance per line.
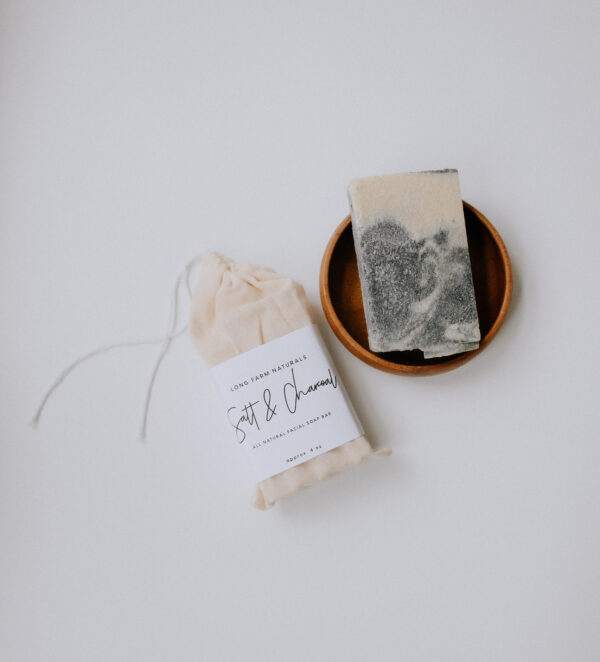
x=237, y=307
x=413, y=262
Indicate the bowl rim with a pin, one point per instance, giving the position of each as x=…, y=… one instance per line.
x=377, y=361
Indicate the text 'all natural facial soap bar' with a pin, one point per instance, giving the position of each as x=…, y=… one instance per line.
x=413, y=260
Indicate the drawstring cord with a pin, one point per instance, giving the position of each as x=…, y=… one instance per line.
x=171, y=333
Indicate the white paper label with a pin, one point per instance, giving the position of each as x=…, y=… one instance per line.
x=285, y=402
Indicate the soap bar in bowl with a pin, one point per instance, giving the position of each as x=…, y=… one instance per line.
x=413, y=260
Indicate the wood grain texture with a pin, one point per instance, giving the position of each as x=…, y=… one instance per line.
x=342, y=303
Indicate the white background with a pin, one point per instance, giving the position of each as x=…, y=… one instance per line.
x=134, y=135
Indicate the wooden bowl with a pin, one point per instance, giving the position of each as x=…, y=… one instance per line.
x=341, y=296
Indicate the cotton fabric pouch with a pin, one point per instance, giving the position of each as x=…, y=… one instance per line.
x=237, y=307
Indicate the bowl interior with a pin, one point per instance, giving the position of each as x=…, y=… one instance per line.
x=491, y=278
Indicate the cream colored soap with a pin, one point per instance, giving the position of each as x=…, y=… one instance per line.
x=413, y=259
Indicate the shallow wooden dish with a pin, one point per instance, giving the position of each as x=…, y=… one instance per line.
x=341, y=296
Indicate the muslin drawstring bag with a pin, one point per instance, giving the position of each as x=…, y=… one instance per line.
x=235, y=308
